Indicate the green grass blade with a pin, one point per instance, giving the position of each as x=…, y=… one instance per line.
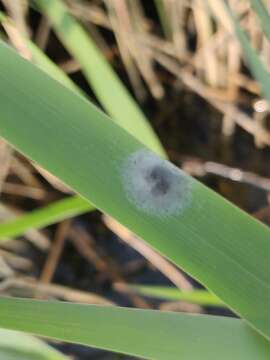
x=200, y=297
x=211, y=239
x=256, y=66
x=263, y=15
x=163, y=18
x=145, y=333
x=107, y=86
x=45, y=216
x=18, y=346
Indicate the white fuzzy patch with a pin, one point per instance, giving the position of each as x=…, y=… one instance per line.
x=155, y=186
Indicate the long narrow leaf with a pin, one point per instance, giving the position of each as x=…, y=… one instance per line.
x=263, y=15
x=256, y=66
x=48, y=215
x=201, y=297
x=146, y=333
x=211, y=239
x=164, y=19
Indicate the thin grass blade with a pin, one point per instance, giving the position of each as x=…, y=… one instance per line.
x=256, y=65
x=48, y=215
x=263, y=15
x=108, y=88
x=200, y=297
x=161, y=10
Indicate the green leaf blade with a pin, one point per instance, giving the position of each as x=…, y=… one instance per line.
x=263, y=15
x=255, y=63
x=146, y=333
x=200, y=297
x=211, y=239
x=55, y=212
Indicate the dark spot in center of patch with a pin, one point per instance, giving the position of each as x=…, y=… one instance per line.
x=160, y=180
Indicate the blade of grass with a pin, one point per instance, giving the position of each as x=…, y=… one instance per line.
x=107, y=86
x=256, y=65
x=263, y=15
x=146, y=333
x=18, y=346
x=200, y=297
x=214, y=241
x=45, y=216
x=160, y=6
